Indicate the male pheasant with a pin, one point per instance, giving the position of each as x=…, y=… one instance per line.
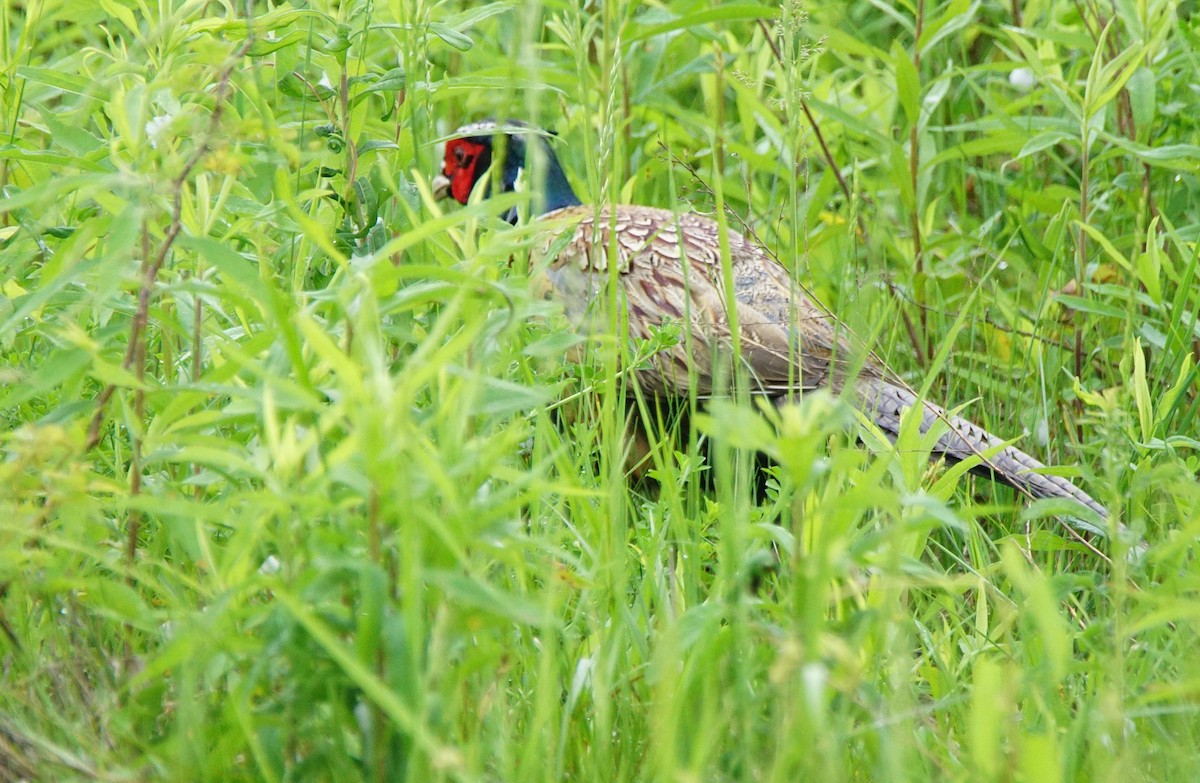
x=670, y=270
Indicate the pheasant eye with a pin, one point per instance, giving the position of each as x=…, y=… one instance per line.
x=460, y=156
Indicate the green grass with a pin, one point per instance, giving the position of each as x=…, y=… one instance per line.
x=341, y=510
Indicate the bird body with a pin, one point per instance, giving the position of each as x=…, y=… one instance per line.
x=669, y=266
x=670, y=271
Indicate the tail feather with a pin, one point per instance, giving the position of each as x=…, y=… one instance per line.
x=885, y=402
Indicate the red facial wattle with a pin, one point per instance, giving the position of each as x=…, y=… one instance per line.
x=462, y=158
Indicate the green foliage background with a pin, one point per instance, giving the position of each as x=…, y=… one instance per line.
x=288, y=492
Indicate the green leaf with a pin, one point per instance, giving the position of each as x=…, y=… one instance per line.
x=1148, y=268
x=472, y=16
x=1043, y=141
x=1045, y=541
x=377, y=144
x=479, y=595
x=1041, y=609
x=123, y=13
x=454, y=38
x=1109, y=248
x=1094, y=306
x=220, y=457
x=114, y=597
x=392, y=80
x=1006, y=141
x=339, y=42
x=1141, y=392
x=954, y=17
x=1106, y=79
x=908, y=83
x=318, y=340
x=50, y=157
x=1142, y=98
x=296, y=86
x=265, y=46
x=373, y=688
x=1183, y=157
x=234, y=266
x=739, y=426
x=501, y=397
x=1178, y=393
x=983, y=733
x=51, y=373
x=725, y=13
x=74, y=137
x=67, y=82
x=366, y=201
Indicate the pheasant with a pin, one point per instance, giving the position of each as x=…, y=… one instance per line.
x=669, y=267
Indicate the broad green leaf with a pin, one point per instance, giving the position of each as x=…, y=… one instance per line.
x=1141, y=392
x=737, y=425
x=1008, y=142
x=454, y=38
x=1142, y=98
x=75, y=138
x=954, y=17
x=480, y=596
x=114, y=597
x=984, y=736
x=67, y=82
x=52, y=158
x=725, y=12
x=374, y=689
x=1104, y=242
x=1148, y=268
x=1043, y=141
x=50, y=373
x=908, y=83
x=472, y=16
x=1042, y=610
x=234, y=266
x=1041, y=755
x=1182, y=157
x=1116, y=74
x=1094, y=306
x=123, y=13
x=265, y=46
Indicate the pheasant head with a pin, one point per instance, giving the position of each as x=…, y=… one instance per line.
x=473, y=150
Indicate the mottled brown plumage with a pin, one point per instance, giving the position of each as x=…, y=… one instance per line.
x=670, y=271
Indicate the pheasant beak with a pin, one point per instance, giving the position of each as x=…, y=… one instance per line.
x=441, y=187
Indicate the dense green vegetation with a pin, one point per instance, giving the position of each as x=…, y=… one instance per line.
x=288, y=491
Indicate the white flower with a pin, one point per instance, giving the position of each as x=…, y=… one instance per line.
x=157, y=127
x=1041, y=432
x=1021, y=79
x=270, y=566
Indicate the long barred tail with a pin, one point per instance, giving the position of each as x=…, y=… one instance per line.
x=884, y=402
